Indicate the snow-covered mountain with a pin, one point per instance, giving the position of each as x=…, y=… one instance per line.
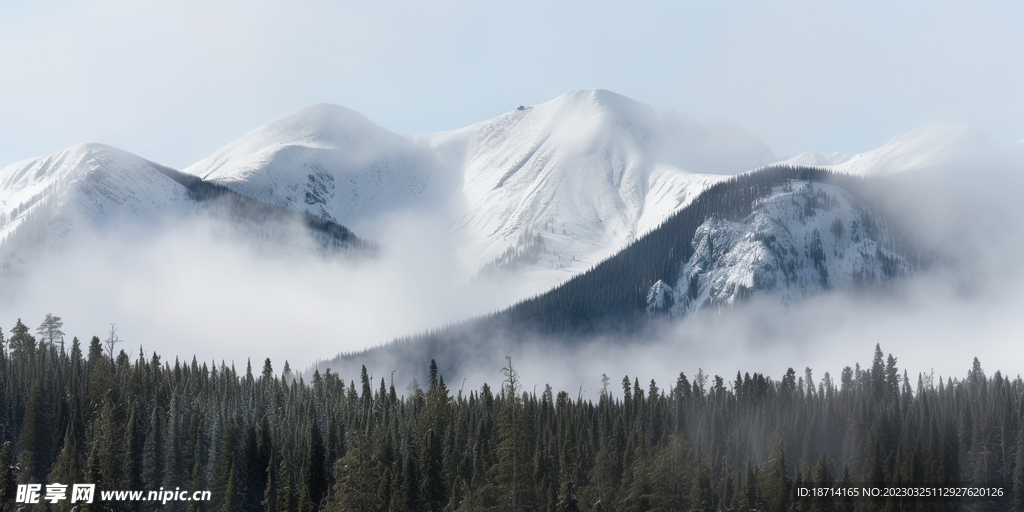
x=549, y=189
x=780, y=232
x=92, y=189
x=588, y=171
x=87, y=187
x=554, y=186
x=327, y=160
x=802, y=239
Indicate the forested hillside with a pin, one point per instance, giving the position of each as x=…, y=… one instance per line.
x=613, y=298
x=615, y=291
x=260, y=439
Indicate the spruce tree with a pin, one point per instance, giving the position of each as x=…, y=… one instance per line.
x=314, y=479
x=152, y=455
x=8, y=478
x=23, y=344
x=702, y=496
x=35, y=437
x=270, y=493
x=821, y=477
x=1018, y=473
x=356, y=481
x=232, y=499
x=777, y=483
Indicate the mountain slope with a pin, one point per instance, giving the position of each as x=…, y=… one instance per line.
x=803, y=238
x=753, y=234
x=93, y=189
x=590, y=171
x=553, y=188
x=326, y=160
x=84, y=188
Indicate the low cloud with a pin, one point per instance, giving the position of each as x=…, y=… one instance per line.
x=964, y=303
x=202, y=287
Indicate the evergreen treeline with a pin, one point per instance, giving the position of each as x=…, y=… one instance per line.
x=264, y=441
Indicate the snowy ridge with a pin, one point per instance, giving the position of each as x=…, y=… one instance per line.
x=590, y=171
x=804, y=238
x=549, y=190
x=932, y=145
x=89, y=186
x=328, y=160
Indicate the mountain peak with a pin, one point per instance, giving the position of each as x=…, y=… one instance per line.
x=581, y=104
x=328, y=160
x=65, y=165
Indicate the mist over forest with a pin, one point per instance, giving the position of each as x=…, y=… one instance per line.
x=162, y=328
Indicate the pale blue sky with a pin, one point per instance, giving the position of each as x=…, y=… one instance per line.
x=174, y=81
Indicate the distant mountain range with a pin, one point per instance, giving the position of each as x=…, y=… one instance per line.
x=639, y=214
x=96, y=189
x=550, y=189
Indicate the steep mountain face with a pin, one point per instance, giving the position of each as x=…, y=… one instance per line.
x=589, y=172
x=326, y=160
x=87, y=187
x=802, y=239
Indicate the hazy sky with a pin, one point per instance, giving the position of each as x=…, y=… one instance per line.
x=173, y=81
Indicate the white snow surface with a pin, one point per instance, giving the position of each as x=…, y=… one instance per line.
x=328, y=160
x=90, y=187
x=589, y=171
x=933, y=145
x=802, y=239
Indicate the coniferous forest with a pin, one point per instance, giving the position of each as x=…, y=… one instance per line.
x=266, y=439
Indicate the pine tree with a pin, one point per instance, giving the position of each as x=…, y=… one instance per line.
x=133, y=448
x=152, y=455
x=777, y=484
x=406, y=495
x=49, y=332
x=432, y=426
x=8, y=478
x=232, y=499
x=176, y=465
x=1018, y=473
x=356, y=476
x=35, y=437
x=270, y=493
x=69, y=466
x=878, y=383
x=226, y=467
x=508, y=452
x=314, y=479
x=821, y=477
x=751, y=497
x=287, y=495
x=23, y=344
x=702, y=496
